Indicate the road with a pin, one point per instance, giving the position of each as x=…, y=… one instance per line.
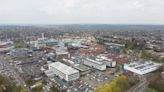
x=9, y=70
x=140, y=87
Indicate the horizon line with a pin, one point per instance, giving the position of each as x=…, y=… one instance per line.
x=137, y=24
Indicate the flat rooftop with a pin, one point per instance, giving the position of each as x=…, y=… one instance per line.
x=93, y=60
x=63, y=68
x=142, y=67
x=115, y=44
x=82, y=68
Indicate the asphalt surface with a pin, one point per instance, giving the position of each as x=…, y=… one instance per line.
x=140, y=87
x=10, y=71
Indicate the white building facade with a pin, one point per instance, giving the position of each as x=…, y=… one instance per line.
x=64, y=72
x=6, y=46
x=109, y=62
x=100, y=65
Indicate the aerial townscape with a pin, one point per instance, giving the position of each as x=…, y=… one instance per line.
x=82, y=58
x=81, y=45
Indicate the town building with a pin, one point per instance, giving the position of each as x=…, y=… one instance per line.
x=64, y=72
x=109, y=62
x=141, y=68
x=114, y=48
x=82, y=68
x=21, y=52
x=95, y=63
x=6, y=46
x=61, y=52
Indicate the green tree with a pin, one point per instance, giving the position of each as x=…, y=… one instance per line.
x=120, y=84
x=19, y=44
x=8, y=86
x=54, y=89
x=150, y=90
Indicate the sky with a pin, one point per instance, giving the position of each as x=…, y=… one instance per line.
x=81, y=11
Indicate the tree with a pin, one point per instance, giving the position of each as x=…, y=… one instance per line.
x=37, y=89
x=54, y=89
x=19, y=44
x=120, y=84
x=150, y=90
x=147, y=55
x=8, y=86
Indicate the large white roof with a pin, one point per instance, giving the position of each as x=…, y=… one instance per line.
x=95, y=61
x=142, y=67
x=64, y=68
x=5, y=42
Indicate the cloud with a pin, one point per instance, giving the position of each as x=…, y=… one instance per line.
x=81, y=11
x=138, y=4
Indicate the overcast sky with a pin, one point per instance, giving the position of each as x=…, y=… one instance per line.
x=81, y=11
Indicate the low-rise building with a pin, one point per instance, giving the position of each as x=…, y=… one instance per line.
x=82, y=68
x=114, y=48
x=6, y=46
x=95, y=63
x=21, y=52
x=109, y=62
x=61, y=52
x=63, y=71
x=141, y=68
